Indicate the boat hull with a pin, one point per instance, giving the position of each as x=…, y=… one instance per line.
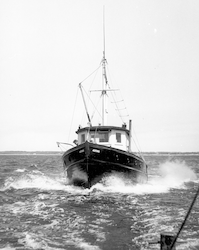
x=88, y=163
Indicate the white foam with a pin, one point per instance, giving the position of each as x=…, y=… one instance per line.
x=33, y=241
x=8, y=247
x=35, y=180
x=87, y=246
x=171, y=174
x=176, y=173
x=20, y=170
x=190, y=244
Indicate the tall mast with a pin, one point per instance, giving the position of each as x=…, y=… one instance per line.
x=104, y=80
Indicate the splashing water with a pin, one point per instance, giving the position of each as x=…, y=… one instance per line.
x=38, y=180
x=40, y=211
x=35, y=179
x=171, y=174
x=175, y=173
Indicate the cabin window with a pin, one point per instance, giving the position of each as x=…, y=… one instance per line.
x=118, y=137
x=82, y=138
x=103, y=137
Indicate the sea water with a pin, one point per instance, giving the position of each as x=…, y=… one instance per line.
x=38, y=210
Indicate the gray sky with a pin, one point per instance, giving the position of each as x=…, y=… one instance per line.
x=47, y=47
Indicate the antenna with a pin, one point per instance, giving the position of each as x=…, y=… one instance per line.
x=105, y=80
x=104, y=30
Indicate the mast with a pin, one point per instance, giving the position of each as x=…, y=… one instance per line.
x=104, y=80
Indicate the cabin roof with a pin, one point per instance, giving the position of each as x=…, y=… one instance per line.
x=102, y=129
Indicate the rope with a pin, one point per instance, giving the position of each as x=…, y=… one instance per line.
x=137, y=145
x=91, y=74
x=97, y=70
x=134, y=137
x=96, y=109
x=113, y=94
x=185, y=219
x=91, y=101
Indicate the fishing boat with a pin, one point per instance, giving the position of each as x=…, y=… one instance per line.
x=101, y=150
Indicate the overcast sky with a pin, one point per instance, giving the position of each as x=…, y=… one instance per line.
x=48, y=46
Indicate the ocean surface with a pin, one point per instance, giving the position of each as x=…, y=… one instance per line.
x=38, y=210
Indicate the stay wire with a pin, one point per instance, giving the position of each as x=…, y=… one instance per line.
x=88, y=96
x=114, y=100
x=135, y=140
x=91, y=74
x=96, y=109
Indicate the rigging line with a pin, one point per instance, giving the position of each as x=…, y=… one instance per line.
x=96, y=109
x=114, y=98
x=121, y=109
x=97, y=70
x=124, y=115
x=91, y=74
x=134, y=137
x=73, y=113
x=136, y=141
x=119, y=113
x=137, y=145
x=118, y=110
x=117, y=101
x=185, y=219
x=89, y=99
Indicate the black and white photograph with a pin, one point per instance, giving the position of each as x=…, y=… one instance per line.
x=99, y=125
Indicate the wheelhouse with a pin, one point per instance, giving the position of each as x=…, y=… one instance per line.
x=111, y=136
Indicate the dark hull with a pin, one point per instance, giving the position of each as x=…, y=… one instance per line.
x=88, y=163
